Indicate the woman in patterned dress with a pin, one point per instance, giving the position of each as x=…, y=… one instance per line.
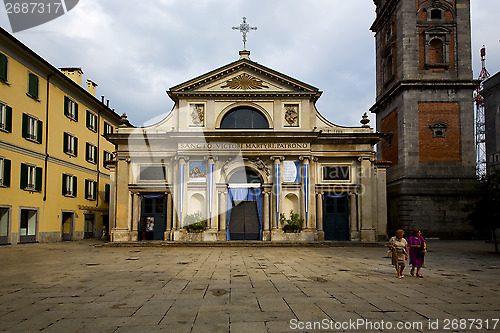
x=399, y=248
x=418, y=247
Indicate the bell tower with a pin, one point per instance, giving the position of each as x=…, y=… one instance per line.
x=424, y=106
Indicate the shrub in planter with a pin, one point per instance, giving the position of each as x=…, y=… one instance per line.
x=195, y=222
x=291, y=224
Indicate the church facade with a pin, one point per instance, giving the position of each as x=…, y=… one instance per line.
x=245, y=155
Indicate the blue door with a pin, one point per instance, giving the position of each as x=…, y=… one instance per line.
x=335, y=218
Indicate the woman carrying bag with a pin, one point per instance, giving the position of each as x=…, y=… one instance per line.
x=418, y=248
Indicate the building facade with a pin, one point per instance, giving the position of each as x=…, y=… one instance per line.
x=491, y=94
x=53, y=182
x=424, y=107
x=243, y=150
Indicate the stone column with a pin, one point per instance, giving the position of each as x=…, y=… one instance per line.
x=265, y=216
x=319, y=216
x=136, y=212
x=180, y=192
x=306, y=197
x=120, y=233
x=168, y=231
x=211, y=194
x=367, y=232
x=222, y=215
x=277, y=202
x=353, y=217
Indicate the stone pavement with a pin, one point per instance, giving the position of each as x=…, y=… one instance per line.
x=77, y=287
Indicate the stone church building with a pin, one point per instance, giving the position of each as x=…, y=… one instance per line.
x=243, y=148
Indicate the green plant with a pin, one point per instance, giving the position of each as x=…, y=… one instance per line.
x=195, y=222
x=291, y=224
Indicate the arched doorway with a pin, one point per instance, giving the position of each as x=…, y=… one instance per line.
x=244, y=211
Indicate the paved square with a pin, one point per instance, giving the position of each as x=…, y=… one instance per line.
x=77, y=287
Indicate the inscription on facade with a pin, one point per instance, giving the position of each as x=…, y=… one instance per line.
x=242, y=146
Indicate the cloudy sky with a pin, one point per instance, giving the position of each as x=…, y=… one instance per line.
x=136, y=50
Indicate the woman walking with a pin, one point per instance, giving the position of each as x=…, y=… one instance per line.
x=418, y=248
x=399, y=248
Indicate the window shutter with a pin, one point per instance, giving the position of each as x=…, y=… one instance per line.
x=76, y=111
x=3, y=67
x=64, y=184
x=75, y=182
x=6, y=172
x=39, y=131
x=88, y=119
x=33, y=85
x=86, y=188
x=65, y=142
x=66, y=108
x=24, y=176
x=95, y=154
x=38, y=179
x=8, y=119
x=76, y=145
x=87, y=152
x=94, y=192
x=106, y=192
x=25, y=125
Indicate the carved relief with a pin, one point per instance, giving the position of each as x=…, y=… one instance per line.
x=439, y=129
x=292, y=115
x=197, y=114
x=245, y=82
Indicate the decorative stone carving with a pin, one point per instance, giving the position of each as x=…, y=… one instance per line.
x=439, y=129
x=292, y=115
x=245, y=82
x=197, y=114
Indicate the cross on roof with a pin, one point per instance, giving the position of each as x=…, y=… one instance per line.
x=244, y=28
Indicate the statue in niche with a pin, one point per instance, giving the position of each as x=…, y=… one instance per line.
x=291, y=115
x=197, y=114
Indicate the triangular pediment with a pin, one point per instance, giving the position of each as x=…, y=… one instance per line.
x=243, y=76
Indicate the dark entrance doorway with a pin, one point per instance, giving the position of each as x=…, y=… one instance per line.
x=89, y=226
x=4, y=225
x=244, y=221
x=67, y=226
x=245, y=205
x=28, y=227
x=153, y=224
x=335, y=218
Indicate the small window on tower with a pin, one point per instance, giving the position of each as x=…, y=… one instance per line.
x=436, y=14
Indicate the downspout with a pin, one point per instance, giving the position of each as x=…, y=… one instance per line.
x=46, y=162
x=98, y=157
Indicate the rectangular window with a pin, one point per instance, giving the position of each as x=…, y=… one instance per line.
x=32, y=128
x=4, y=172
x=5, y=118
x=91, y=153
x=107, y=189
x=107, y=156
x=3, y=67
x=336, y=173
x=91, y=121
x=33, y=85
x=108, y=128
x=69, y=185
x=70, y=108
x=90, y=189
x=70, y=144
x=31, y=177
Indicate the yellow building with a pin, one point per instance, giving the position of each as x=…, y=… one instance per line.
x=54, y=184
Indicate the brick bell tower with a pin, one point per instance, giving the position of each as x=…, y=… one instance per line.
x=425, y=109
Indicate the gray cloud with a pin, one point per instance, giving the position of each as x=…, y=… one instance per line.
x=136, y=50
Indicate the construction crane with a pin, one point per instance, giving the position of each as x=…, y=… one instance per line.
x=480, y=127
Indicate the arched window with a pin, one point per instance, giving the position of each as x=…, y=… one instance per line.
x=436, y=51
x=243, y=118
x=245, y=176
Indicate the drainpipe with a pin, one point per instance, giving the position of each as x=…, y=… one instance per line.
x=98, y=157
x=46, y=162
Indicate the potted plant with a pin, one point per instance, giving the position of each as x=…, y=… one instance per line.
x=195, y=222
x=293, y=224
